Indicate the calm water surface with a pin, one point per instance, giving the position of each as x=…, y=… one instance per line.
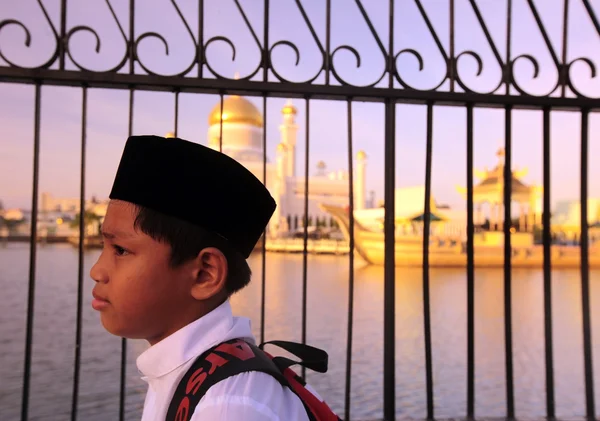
x=55, y=323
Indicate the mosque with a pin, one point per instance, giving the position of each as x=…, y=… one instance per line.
x=237, y=128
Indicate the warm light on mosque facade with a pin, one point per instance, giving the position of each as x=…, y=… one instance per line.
x=236, y=128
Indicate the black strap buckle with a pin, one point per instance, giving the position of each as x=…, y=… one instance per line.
x=310, y=357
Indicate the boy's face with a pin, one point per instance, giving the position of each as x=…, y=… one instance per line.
x=138, y=294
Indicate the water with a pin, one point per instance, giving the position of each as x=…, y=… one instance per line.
x=55, y=316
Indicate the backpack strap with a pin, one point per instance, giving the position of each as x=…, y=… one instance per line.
x=218, y=363
x=310, y=357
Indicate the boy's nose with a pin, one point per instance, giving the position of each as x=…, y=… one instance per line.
x=97, y=273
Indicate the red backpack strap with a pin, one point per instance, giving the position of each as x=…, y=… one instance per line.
x=312, y=358
x=319, y=408
x=218, y=363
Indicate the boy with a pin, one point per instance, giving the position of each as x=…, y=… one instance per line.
x=182, y=220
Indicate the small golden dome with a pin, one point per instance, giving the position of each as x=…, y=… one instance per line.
x=321, y=165
x=289, y=109
x=170, y=135
x=361, y=155
x=236, y=109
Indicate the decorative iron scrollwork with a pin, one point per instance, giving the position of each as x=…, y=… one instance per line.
x=28, y=38
x=453, y=76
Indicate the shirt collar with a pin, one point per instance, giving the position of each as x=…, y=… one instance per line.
x=186, y=343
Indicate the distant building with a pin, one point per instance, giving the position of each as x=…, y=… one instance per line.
x=239, y=132
x=565, y=221
x=409, y=203
x=488, y=194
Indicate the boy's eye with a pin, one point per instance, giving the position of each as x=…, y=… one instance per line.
x=119, y=251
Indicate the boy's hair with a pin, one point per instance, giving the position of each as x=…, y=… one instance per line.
x=187, y=240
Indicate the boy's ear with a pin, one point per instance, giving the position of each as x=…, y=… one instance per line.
x=210, y=274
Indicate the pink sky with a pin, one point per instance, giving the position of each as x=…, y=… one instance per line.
x=153, y=113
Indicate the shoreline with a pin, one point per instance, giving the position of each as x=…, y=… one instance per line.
x=562, y=257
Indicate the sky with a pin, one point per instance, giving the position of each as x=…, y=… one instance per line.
x=107, y=111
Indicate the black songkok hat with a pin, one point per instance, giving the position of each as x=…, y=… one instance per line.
x=196, y=184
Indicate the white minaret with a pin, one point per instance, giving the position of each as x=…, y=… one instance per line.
x=281, y=167
x=289, y=131
x=278, y=224
x=360, y=184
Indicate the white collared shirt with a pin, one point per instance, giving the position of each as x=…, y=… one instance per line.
x=249, y=396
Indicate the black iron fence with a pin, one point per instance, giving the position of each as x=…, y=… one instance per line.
x=132, y=73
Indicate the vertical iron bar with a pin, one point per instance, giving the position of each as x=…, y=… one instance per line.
x=32, y=253
x=131, y=44
x=389, y=227
x=327, y=42
x=130, y=122
x=176, y=129
x=426, y=229
x=585, y=271
x=221, y=124
x=80, y=267
x=564, y=68
x=200, y=38
x=550, y=412
x=390, y=57
x=265, y=52
x=124, y=341
x=351, y=267
x=266, y=64
x=510, y=398
x=389, y=297
x=451, y=64
x=62, y=42
x=508, y=68
x=305, y=249
x=264, y=244
x=470, y=271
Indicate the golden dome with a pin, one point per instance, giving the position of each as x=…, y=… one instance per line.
x=170, y=135
x=321, y=165
x=236, y=109
x=361, y=155
x=289, y=109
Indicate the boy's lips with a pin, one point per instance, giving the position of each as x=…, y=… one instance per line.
x=99, y=302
